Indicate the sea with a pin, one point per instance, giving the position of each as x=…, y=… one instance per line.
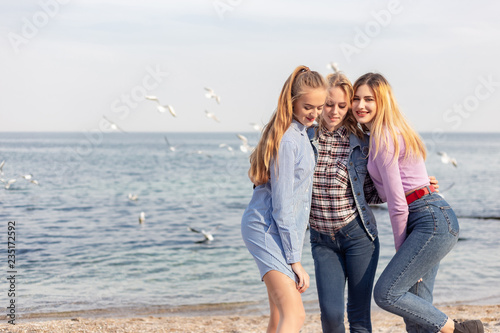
x=80, y=249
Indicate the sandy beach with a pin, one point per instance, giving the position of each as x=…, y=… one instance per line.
x=383, y=322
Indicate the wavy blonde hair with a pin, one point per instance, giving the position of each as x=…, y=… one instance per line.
x=339, y=80
x=389, y=121
x=269, y=143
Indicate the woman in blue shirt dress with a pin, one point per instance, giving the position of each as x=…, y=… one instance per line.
x=274, y=224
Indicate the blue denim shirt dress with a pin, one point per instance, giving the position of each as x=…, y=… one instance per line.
x=274, y=224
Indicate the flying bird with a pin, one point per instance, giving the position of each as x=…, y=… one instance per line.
x=333, y=66
x=208, y=236
x=1, y=167
x=211, y=94
x=8, y=182
x=244, y=147
x=211, y=115
x=170, y=147
x=229, y=148
x=113, y=126
x=256, y=127
x=29, y=177
x=162, y=108
x=133, y=197
x=447, y=159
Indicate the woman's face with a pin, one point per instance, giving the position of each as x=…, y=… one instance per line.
x=307, y=107
x=364, y=106
x=335, y=108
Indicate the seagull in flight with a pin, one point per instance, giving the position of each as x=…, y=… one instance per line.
x=244, y=147
x=29, y=177
x=208, y=236
x=211, y=94
x=113, y=126
x=256, y=127
x=211, y=115
x=8, y=182
x=133, y=197
x=333, y=66
x=447, y=159
x=228, y=147
x=162, y=108
x=170, y=147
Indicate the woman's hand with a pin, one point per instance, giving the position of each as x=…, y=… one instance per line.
x=434, y=182
x=303, y=283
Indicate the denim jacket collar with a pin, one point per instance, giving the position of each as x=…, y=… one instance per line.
x=354, y=142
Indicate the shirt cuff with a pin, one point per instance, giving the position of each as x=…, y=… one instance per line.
x=292, y=257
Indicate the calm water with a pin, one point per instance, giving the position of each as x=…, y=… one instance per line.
x=80, y=246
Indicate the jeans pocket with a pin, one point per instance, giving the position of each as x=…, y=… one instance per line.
x=451, y=218
x=354, y=231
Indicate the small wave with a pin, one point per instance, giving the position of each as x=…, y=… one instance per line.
x=74, y=209
x=480, y=217
x=232, y=308
x=236, y=205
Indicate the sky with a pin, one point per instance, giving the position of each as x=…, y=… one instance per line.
x=66, y=65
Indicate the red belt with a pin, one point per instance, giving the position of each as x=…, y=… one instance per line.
x=417, y=194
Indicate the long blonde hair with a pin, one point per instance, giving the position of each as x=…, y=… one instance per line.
x=339, y=80
x=389, y=121
x=269, y=143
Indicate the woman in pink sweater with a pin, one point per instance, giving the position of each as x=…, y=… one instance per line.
x=425, y=227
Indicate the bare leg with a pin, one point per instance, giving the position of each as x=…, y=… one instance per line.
x=285, y=296
x=274, y=318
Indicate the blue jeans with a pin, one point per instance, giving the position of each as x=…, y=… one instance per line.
x=348, y=255
x=432, y=231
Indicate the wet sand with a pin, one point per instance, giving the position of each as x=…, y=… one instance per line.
x=383, y=322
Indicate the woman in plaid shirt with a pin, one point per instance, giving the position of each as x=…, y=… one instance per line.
x=344, y=240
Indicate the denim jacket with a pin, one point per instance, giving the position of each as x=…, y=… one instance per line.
x=358, y=159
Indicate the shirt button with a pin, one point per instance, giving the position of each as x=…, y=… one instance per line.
x=350, y=163
x=355, y=178
x=358, y=193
